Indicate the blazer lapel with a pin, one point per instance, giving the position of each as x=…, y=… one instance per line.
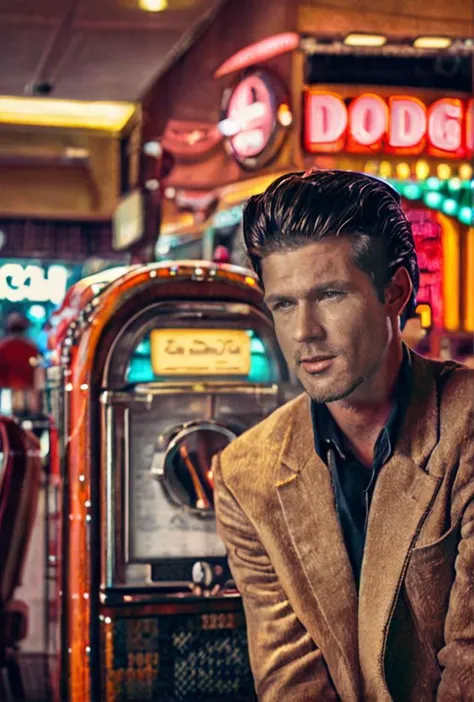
x=404, y=493
x=307, y=500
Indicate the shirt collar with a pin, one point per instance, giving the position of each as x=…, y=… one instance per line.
x=326, y=430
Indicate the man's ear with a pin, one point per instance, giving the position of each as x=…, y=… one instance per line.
x=398, y=292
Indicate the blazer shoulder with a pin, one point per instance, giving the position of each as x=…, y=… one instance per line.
x=456, y=385
x=263, y=442
x=454, y=382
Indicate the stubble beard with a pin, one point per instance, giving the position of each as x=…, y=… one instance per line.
x=334, y=394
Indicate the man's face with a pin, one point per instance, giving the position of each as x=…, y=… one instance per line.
x=332, y=328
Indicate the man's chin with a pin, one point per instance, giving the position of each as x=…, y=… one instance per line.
x=324, y=392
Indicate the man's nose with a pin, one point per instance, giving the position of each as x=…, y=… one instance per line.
x=308, y=324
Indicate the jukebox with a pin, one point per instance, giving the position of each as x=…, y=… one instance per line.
x=164, y=367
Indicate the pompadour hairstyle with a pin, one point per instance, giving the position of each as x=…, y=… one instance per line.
x=300, y=208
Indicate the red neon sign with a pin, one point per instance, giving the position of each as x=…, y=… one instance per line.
x=403, y=125
x=263, y=50
x=251, y=108
x=427, y=236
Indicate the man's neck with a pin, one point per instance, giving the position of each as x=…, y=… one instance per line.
x=362, y=416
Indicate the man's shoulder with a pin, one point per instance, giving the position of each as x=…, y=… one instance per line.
x=454, y=386
x=456, y=381
x=263, y=442
x=457, y=388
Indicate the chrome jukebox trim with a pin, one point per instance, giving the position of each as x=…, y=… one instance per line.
x=109, y=496
x=126, y=483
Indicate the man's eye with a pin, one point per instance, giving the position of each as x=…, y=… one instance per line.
x=282, y=305
x=331, y=295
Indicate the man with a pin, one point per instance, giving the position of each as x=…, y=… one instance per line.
x=348, y=514
x=18, y=355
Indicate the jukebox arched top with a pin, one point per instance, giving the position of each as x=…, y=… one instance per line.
x=176, y=321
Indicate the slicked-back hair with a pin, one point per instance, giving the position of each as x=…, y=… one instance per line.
x=301, y=208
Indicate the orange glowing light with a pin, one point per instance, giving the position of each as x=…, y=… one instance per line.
x=451, y=271
x=469, y=282
x=424, y=311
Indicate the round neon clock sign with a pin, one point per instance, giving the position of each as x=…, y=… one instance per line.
x=255, y=118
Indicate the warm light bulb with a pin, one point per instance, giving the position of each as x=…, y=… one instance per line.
x=432, y=42
x=356, y=39
x=444, y=171
x=465, y=171
x=371, y=167
x=153, y=5
x=422, y=170
x=284, y=115
x=403, y=171
x=385, y=169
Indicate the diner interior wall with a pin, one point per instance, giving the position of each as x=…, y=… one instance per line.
x=191, y=91
x=40, y=178
x=194, y=96
x=396, y=18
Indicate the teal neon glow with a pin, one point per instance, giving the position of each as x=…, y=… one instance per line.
x=411, y=191
x=449, y=206
x=466, y=216
x=140, y=369
x=228, y=218
x=434, y=183
x=454, y=184
x=433, y=199
x=36, y=313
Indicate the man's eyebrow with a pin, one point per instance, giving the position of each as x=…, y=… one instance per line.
x=343, y=285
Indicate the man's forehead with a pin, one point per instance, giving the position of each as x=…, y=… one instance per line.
x=321, y=257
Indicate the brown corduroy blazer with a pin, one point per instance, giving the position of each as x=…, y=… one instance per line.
x=408, y=634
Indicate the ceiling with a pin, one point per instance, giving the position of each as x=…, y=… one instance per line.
x=93, y=49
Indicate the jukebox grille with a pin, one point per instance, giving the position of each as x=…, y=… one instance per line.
x=175, y=659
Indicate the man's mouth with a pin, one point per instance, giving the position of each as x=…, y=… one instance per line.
x=316, y=364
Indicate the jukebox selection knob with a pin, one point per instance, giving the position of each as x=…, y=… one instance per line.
x=202, y=574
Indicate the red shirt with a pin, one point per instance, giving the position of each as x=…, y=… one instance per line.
x=16, y=370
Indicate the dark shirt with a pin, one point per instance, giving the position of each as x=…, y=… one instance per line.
x=353, y=482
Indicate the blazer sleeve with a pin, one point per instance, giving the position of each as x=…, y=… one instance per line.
x=285, y=662
x=457, y=656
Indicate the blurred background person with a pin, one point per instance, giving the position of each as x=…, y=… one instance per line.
x=18, y=355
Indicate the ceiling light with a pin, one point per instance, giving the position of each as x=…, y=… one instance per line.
x=432, y=42
x=365, y=40
x=153, y=5
x=107, y=116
